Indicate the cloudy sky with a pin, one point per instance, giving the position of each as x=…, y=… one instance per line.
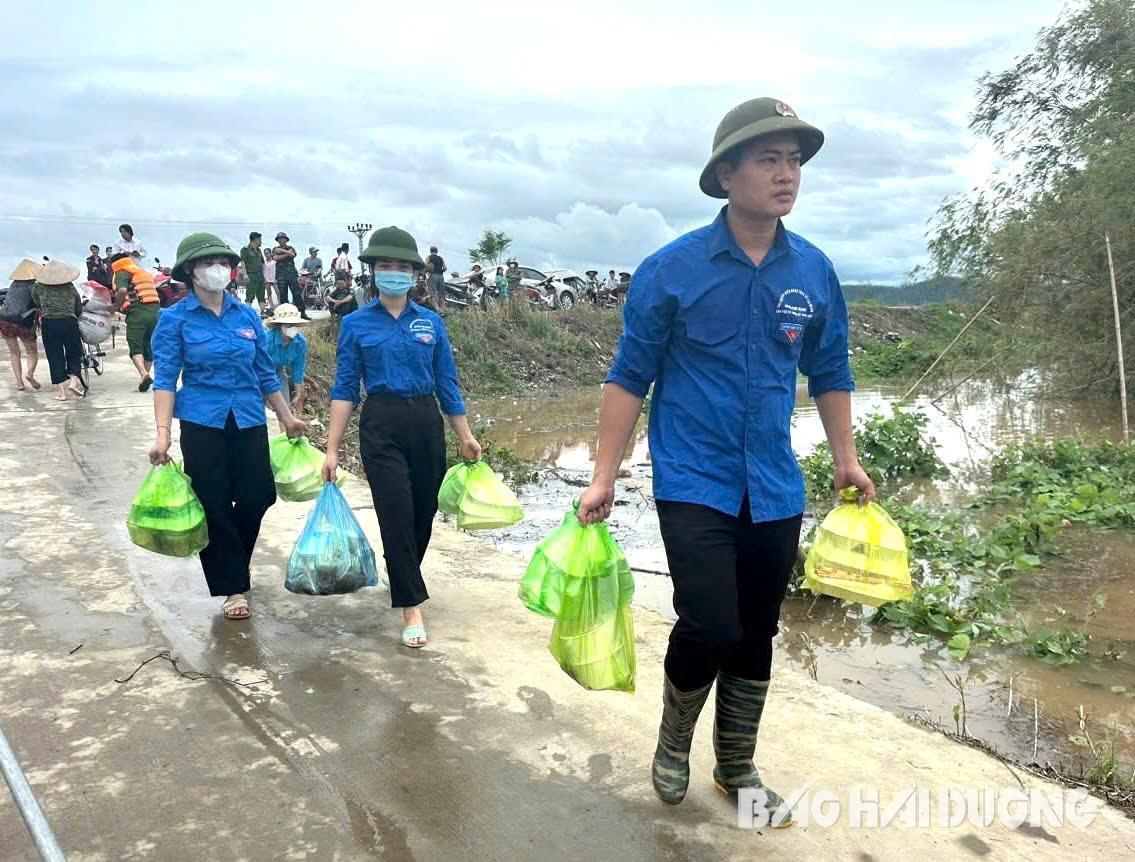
x=578, y=129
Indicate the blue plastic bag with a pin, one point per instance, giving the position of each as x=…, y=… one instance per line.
x=332, y=555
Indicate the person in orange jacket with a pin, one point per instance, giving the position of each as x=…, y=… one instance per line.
x=139, y=300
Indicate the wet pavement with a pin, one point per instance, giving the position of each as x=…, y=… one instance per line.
x=316, y=736
x=1023, y=707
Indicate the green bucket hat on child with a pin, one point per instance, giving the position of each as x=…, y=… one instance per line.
x=196, y=246
x=392, y=243
x=754, y=119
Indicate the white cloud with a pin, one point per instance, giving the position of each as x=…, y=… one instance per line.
x=580, y=130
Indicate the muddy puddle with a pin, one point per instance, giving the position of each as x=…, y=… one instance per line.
x=1018, y=704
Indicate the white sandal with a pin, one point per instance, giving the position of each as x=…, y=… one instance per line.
x=233, y=604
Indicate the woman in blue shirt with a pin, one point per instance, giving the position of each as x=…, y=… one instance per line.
x=288, y=350
x=217, y=346
x=400, y=353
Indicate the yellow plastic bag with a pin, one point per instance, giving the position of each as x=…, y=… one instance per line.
x=859, y=555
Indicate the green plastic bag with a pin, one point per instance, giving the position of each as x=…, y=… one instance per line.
x=859, y=555
x=452, y=488
x=580, y=576
x=566, y=558
x=166, y=516
x=332, y=555
x=488, y=503
x=297, y=468
x=597, y=651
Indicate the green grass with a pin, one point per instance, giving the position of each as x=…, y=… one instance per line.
x=509, y=349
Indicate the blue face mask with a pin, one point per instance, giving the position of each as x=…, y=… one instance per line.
x=393, y=283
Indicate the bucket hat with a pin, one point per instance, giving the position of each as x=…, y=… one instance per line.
x=286, y=314
x=196, y=246
x=26, y=271
x=392, y=243
x=748, y=121
x=57, y=272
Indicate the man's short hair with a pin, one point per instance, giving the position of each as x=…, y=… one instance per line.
x=255, y=235
x=94, y=247
x=119, y=256
x=127, y=228
x=433, y=249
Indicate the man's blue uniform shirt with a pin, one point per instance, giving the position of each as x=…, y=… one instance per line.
x=721, y=340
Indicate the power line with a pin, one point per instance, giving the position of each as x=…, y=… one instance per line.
x=72, y=219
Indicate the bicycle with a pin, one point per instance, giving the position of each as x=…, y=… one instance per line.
x=93, y=356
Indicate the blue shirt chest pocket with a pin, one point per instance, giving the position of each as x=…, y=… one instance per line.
x=711, y=324
x=376, y=351
x=794, y=311
x=398, y=355
x=418, y=342
x=219, y=347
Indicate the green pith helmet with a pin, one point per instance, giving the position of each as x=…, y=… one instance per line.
x=754, y=119
x=393, y=243
x=196, y=246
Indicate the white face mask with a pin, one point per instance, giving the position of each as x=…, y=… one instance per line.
x=291, y=331
x=213, y=278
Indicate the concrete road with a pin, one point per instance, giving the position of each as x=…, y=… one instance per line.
x=319, y=737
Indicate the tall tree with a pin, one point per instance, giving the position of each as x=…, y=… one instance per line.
x=1062, y=120
x=492, y=248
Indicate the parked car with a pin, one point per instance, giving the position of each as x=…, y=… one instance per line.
x=571, y=278
x=557, y=292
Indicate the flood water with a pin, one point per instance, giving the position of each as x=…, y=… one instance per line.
x=829, y=639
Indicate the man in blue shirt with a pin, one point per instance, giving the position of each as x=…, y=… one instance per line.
x=719, y=321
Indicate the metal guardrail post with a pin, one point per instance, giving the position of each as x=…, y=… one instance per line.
x=37, y=824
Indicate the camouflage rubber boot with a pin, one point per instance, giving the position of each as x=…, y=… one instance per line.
x=739, y=705
x=670, y=771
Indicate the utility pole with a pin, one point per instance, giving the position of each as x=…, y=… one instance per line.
x=1118, y=340
x=360, y=229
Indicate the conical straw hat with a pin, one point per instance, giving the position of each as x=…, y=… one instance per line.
x=26, y=271
x=57, y=272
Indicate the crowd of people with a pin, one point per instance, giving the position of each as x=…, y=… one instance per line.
x=720, y=321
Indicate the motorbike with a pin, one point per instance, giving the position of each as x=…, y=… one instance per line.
x=542, y=294
x=488, y=295
x=599, y=296
x=461, y=296
x=169, y=291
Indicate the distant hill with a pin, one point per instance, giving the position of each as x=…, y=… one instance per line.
x=932, y=291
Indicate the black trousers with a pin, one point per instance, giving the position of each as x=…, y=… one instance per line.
x=729, y=577
x=232, y=477
x=402, y=442
x=63, y=346
x=283, y=283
